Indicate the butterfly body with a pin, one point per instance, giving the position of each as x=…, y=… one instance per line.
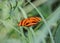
x=29, y=21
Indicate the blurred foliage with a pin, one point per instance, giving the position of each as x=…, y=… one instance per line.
x=11, y=12
x=57, y=33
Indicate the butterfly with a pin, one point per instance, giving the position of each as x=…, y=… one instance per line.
x=29, y=21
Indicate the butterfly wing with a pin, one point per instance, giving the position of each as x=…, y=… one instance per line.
x=29, y=21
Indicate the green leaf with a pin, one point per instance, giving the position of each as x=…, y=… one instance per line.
x=57, y=35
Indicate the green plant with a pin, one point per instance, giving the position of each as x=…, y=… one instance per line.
x=12, y=11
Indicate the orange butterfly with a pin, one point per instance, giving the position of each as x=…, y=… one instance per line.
x=29, y=21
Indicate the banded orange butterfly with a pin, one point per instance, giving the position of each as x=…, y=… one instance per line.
x=29, y=21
